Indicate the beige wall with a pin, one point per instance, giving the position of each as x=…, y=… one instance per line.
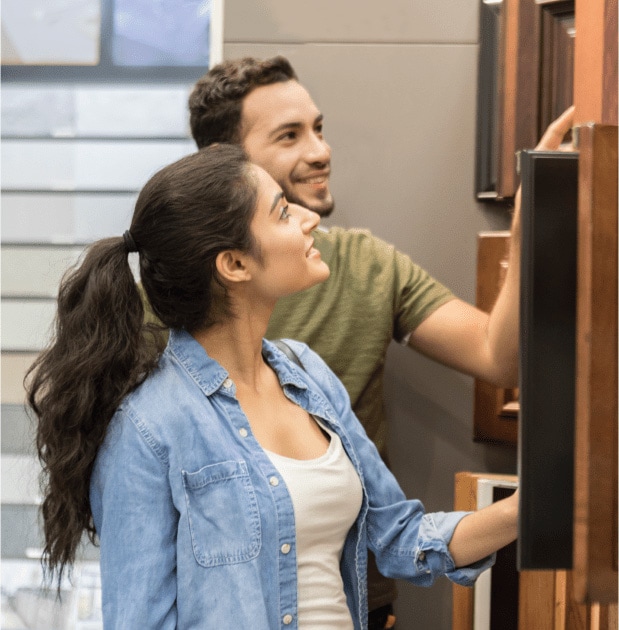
x=397, y=84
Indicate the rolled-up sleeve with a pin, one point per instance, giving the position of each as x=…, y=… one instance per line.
x=433, y=557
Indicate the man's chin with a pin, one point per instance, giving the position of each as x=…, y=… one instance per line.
x=324, y=212
x=322, y=207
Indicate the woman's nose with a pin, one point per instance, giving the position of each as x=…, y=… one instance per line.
x=308, y=219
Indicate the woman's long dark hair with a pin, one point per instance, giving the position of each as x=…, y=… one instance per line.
x=184, y=217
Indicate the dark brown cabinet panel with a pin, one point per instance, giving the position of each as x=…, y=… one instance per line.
x=547, y=358
x=558, y=31
x=526, y=79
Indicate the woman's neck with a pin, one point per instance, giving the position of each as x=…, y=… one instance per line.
x=236, y=344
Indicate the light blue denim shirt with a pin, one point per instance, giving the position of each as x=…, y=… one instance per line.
x=196, y=525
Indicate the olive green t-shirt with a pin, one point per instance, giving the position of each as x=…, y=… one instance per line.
x=373, y=295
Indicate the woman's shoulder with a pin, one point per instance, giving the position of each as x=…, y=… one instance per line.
x=157, y=403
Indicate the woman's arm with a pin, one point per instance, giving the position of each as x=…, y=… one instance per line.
x=481, y=533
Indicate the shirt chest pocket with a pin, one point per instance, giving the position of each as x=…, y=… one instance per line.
x=223, y=515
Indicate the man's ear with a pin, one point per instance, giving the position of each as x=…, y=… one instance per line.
x=232, y=266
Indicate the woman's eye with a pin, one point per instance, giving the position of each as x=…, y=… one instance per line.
x=284, y=214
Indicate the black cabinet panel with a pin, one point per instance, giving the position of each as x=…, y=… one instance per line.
x=547, y=356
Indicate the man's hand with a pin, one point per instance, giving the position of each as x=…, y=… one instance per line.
x=553, y=136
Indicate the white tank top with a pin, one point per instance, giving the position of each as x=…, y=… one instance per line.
x=326, y=496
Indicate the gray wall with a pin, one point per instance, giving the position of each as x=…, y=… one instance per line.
x=397, y=84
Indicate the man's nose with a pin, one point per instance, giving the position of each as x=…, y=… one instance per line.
x=318, y=151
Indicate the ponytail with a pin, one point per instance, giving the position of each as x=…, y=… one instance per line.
x=99, y=352
x=102, y=349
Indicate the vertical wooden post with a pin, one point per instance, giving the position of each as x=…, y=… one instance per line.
x=595, y=518
x=595, y=62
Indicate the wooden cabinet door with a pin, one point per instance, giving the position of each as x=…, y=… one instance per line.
x=595, y=527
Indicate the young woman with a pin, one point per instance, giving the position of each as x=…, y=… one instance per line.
x=227, y=486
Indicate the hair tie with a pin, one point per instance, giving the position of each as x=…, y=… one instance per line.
x=129, y=242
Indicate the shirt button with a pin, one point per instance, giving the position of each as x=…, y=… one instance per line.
x=422, y=556
x=243, y=432
x=287, y=619
x=274, y=481
x=228, y=383
x=285, y=548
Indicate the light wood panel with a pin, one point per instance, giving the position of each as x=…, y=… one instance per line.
x=495, y=412
x=595, y=528
x=595, y=62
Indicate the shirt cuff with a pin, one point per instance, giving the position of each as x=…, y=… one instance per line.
x=432, y=556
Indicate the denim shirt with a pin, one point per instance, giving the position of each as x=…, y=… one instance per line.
x=197, y=527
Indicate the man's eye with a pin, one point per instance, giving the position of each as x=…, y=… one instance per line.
x=290, y=135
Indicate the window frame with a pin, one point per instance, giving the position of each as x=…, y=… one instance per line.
x=108, y=72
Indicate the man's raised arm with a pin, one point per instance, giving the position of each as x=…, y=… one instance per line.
x=480, y=344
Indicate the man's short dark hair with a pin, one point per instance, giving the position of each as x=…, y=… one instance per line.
x=216, y=101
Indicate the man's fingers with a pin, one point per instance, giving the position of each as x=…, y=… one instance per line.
x=556, y=131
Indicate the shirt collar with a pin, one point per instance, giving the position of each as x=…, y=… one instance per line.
x=209, y=375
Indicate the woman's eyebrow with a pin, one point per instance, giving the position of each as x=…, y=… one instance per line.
x=276, y=199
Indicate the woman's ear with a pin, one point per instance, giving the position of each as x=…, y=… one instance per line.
x=231, y=266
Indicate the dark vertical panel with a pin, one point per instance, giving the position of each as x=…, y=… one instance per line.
x=487, y=101
x=557, y=61
x=547, y=355
x=505, y=586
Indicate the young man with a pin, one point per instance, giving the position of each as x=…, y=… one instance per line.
x=375, y=293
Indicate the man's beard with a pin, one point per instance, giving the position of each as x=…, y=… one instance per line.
x=326, y=211
x=323, y=210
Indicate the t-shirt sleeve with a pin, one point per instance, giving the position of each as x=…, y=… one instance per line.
x=415, y=294
x=418, y=295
